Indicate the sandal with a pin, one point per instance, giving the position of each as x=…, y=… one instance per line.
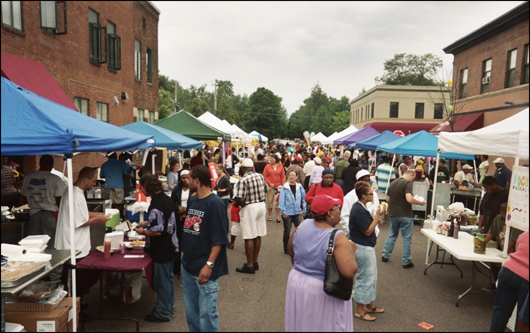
x=277, y=221
x=269, y=219
x=375, y=310
x=363, y=317
x=231, y=247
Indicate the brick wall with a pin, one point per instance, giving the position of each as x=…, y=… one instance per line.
x=66, y=57
x=497, y=49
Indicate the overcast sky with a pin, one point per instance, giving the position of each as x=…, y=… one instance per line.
x=288, y=47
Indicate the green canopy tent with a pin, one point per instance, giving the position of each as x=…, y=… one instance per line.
x=186, y=124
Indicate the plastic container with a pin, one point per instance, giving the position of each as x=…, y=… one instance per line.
x=479, y=244
x=37, y=241
x=134, y=217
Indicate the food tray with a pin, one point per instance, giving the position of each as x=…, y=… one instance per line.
x=19, y=281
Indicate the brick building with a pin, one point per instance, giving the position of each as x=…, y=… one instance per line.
x=102, y=54
x=491, y=69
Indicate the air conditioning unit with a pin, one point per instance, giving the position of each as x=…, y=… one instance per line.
x=486, y=80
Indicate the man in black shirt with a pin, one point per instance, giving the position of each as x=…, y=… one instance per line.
x=490, y=205
x=443, y=173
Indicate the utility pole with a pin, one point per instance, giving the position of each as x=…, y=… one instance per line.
x=215, y=96
x=176, y=100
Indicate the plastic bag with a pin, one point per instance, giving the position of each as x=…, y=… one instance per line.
x=133, y=286
x=457, y=206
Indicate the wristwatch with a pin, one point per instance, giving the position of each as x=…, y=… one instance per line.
x=210, y=264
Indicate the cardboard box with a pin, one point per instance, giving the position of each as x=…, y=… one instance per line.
x=31, y=307
x=52, y=321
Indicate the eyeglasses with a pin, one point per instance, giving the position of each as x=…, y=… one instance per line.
x=371, y=193
x=93, y=181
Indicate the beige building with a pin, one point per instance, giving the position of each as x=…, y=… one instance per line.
x=406, y=108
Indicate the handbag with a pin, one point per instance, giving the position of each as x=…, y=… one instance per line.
x=334, y=284
x=308, y=214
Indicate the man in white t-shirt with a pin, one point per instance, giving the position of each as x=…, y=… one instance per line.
x=82, y=217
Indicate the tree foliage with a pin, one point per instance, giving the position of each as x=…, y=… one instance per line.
x=165, y=103
x=265, y=114
x=317, y=114
x=411, y=70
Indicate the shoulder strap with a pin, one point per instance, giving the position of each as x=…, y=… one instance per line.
x=331, y=241
x=315, y=191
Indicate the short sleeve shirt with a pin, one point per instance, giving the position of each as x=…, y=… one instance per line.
x=205, y=226
x=252, y=187
x=41, y=188
x=82, y=233
x=384, y=173
x=503, y=175
x=398, y=205
x=113, y=171
x=360, y=221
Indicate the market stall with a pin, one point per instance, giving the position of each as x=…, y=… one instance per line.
x=359, y=135
x=33, y=125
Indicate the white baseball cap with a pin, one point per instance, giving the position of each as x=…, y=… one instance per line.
x=362, y=173
x=247, y=163
x=318, y=160
x=499, y=160
x=467, y=167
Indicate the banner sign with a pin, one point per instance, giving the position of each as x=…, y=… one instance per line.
x=517, y=210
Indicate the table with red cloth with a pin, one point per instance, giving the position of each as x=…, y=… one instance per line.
x=93, y=265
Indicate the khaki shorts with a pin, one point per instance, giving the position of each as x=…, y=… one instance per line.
x=271, y=198
x=117, y=195
x=253, y=221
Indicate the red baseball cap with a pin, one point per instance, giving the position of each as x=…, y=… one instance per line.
x=297, y=159
x=322, y=204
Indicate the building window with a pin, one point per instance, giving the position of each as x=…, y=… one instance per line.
x=463, y=83
x=140, y=115
x=394, y=110
x=102, y=111
x=373, y=110
x=12, y=14
x=151, y=116
x=420, y=107
x=113, y=47
x=438, y=111
x=486, y=75
x=525, y=69
x=149, y=63
x=82, y=105
x=362, y=111
x=510, y=72
x=137, y=60
x=94, y=37
x=367, y=111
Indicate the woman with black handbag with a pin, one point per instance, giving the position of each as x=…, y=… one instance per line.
x=307, y=306
x=362, y=231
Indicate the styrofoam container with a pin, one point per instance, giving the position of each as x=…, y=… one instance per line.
x=35, y=241
x=37, y=249
x=116, y=238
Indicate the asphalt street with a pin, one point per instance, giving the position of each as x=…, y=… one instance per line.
x=256, y=302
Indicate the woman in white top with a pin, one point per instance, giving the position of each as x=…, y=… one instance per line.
x=483, y=168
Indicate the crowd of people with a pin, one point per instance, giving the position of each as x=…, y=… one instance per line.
x=313, y=187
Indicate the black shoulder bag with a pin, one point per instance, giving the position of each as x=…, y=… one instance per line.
x=308, y=214
x=334, y=284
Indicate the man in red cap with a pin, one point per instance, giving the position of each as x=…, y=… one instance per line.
x=300, y=176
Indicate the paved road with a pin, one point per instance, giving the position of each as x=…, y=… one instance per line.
x=256, y=302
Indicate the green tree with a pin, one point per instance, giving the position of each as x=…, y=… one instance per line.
x=165, y=103
x=265, y=114
x=164, y=82
x=411, y=70
x=227, y=113
x=340, y=121
x=197, y=107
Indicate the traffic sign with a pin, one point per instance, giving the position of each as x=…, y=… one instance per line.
x=400, y=133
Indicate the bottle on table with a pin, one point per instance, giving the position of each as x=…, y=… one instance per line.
x=456, y=229
x=106, y=250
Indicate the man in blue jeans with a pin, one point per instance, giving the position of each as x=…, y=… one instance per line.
x=400, y=201
x=204, y=241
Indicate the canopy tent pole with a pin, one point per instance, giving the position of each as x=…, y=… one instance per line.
x=390, y=174
x=72, y=238
x=180, y=159
x=475, y=167
x=434, y=184
x=505, y=249
x=146, y=152
x=153, y=160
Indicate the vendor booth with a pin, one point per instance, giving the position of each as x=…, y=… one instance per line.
x=33, y=125
x=372, y=142
x=319, y=137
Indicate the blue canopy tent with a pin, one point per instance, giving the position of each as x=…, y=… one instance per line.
x=372, y=142
x=419, y=144
x=33, y=125
x=356, y=136
x=163, y=137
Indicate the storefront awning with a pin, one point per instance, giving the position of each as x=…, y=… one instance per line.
x=463, y=123
x=406, y=128
x=34, y=77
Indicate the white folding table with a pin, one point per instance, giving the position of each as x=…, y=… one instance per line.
x=462, y=249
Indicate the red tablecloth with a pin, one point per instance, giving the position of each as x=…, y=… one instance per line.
x=116, y=263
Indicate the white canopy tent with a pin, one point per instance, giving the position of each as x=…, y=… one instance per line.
x=319, y=138
x=258, y=135
x=329, y=139
x=244, y=135
x=508, y=138
x=349, y=130
x=221, y=125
